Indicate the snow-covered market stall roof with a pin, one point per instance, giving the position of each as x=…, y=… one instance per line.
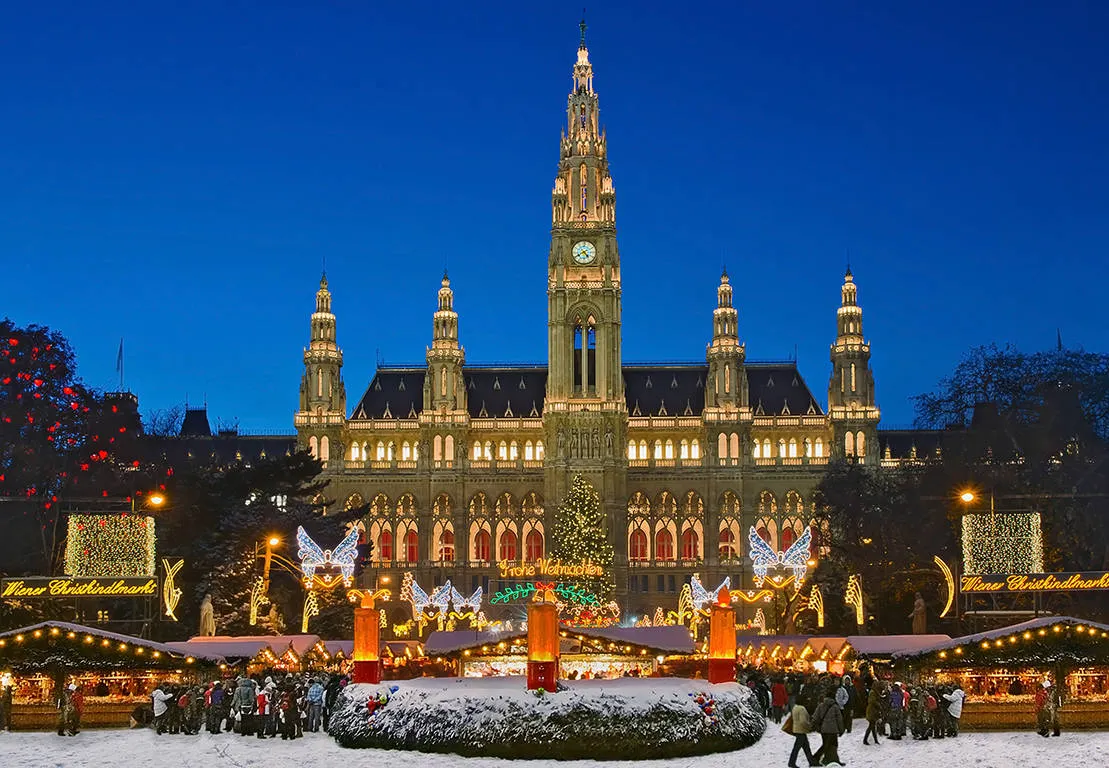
x=752, y=647
x=1038, y=642
x=247, y=646
x=669, y=640
x=61, y=643
x=882, y=648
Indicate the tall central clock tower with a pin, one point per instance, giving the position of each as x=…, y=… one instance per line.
x=585, y=413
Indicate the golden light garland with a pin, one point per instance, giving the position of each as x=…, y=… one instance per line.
x=171, y=594
x=950, y=580
x=854, y=596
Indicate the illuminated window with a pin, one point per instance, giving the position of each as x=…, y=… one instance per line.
x=669, y=452
x=695, y=450
x=446, y=546
x=508, y=546
x=481, y=546
x=637, y=545
x=664, y=545
x=533, y=546
x=412, y=547
x=385, y=544
x=691, y=545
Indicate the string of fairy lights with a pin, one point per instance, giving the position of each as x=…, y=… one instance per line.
x=110, y=545
x=9, y=643
x=1017, y=639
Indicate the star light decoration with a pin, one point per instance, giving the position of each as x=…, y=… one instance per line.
x=110, y=545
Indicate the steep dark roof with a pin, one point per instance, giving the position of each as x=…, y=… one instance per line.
x=901, y=443
x=196, y=423
x=226, y=448
x=777, y=389
x=665, y=390
x=650, y=390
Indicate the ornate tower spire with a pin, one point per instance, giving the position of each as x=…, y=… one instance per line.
x=323, y=398
x=727, y=385
x=583, y=189
x=444, y=390
x=851, y=404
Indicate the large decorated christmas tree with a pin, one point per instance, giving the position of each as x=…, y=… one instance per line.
x=580, y=536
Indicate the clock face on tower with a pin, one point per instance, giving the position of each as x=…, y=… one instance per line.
x=584, y=252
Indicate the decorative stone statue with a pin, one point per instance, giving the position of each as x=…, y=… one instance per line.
x=919, y=616
x=207, y=617
x=609, y=441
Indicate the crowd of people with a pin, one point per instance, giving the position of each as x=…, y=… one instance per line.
x=263, y=706
x=827, y=705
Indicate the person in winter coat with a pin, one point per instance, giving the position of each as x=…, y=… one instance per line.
x=897, y=712
x=778, y=698
x=78, y=701
x=800, y=725
x=955, y=708
x=244, y=705
x=315, y=705
x=330, y=696
x=213, y=706
x=874, y=710
x=264, y=702
x=828, y=720
x=160, y=697
x=845, y=699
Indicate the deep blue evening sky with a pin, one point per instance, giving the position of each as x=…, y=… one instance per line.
x=176, y=173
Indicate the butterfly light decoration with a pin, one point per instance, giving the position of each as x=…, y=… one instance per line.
x=312, y=557
x=796, y=558
x=702, y=597
x=473, y=602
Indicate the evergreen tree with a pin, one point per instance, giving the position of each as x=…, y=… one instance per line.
x=580, y=535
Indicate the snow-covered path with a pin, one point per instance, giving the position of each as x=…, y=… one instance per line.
x=142, y=749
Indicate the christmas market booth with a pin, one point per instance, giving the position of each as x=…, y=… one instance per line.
x=593, y=653
x=255, y=654
x=822, y=653
x=1000, y=671
x=114, y=672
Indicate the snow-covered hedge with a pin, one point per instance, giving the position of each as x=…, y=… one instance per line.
x=623, y=719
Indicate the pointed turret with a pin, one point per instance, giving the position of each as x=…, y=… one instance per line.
x=727, y=385
x=323, y=398
x=444, y=391
x=851, y=403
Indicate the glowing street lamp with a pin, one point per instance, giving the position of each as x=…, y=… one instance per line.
x=967, y=497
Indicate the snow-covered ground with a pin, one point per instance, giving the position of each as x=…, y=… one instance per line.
x=142, y=749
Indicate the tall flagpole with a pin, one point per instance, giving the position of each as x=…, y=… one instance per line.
x=119, y=364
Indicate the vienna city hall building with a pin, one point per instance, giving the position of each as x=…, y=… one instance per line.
x=463, y=464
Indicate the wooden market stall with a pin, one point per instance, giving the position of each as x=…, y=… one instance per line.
x=115, y=673
x=592, y=653
x=999, y=671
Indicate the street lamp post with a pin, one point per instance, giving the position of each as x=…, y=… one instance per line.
x=271, y=542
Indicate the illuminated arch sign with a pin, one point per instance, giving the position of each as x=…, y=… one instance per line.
x=555, y=569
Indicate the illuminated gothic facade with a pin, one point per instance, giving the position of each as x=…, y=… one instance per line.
x=463, y=464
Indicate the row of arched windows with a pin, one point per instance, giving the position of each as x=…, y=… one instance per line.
x=653, y=530
x=855, y=445
x=665, y=449
x=505, y=529
x=320, y=448
x=406, y=450
x=506, y=450
x=791, y=448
